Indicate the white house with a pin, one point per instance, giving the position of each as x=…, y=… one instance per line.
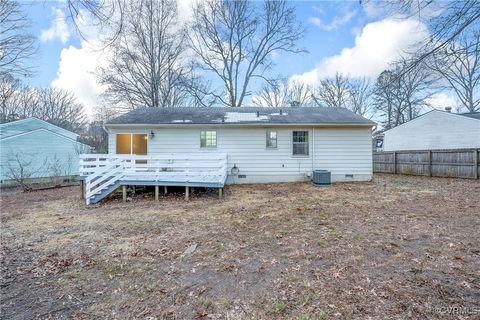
x=252, y=145
x=32, y=148
x=435, y=130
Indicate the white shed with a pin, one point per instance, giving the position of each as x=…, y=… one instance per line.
x=435, y=130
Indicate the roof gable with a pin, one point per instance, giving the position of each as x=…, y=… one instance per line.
x=23, y=126
x=243, y=115
x=433, y=114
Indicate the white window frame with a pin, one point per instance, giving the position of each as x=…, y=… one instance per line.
x=267, y=139
x=307, y=143
x=208, y=147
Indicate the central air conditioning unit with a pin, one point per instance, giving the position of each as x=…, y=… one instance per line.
x=322, y=178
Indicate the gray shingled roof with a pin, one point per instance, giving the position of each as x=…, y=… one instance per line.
x=244, y=115
x=474, y=115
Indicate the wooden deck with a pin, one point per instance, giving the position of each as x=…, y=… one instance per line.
x=103, y=173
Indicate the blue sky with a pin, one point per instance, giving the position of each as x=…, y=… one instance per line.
x=318, y=41
x=340, y=36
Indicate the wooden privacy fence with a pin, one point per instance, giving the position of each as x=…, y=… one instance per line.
x=458, y=163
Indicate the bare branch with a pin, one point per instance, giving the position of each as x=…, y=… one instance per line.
x=235, y=40
x=17, y=44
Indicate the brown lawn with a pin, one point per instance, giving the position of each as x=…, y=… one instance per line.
x=398, y=247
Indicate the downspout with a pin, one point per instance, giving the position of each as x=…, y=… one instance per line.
x=313, y=149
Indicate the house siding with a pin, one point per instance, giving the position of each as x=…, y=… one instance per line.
x=42, y=152
x=339, y=149
x=435, y=130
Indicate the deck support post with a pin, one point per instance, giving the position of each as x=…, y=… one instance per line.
x=220, y=193
x=165, y=191
x=82, y=189
x=124, y=193
x=156, y=193
x=187, y=189
x=476, y=154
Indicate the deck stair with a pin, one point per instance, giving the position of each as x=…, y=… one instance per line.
x=103, y=173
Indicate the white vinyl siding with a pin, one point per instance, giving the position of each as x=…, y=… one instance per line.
x=434, y=130
x=342, y=150
x=43, y=153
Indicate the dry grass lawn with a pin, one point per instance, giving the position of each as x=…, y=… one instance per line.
x=396, y=248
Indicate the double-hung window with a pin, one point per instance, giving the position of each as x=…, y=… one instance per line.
x=300, y=143
x=271, y=139
x=208, y=139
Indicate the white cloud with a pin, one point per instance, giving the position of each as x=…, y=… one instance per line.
x=58, y=28
x=442, y=100
x=378, y=44
x=336, y=23
x=76, y=73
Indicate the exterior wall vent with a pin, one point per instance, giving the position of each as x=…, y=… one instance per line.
x=322, y=178
x=242, y=176
x=349, y=176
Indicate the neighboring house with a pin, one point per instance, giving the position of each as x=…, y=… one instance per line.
x=263, y=144
x=435, y=130
x=37, y=149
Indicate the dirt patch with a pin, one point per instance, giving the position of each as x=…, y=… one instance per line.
x=398, y=247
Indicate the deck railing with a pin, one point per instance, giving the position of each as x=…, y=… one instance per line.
x=103, y=170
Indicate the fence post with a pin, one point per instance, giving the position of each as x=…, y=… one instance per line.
x=429, y=163
x=394, y=162
x=475, y=163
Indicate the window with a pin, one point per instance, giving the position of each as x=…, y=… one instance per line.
x=208, y=139
x=300, y=143
x=123, y=143
x=271, y=139
x=132, y=144
x=139, y=144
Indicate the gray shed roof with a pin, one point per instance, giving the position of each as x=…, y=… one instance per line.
x=243, y=115
x=474, y=115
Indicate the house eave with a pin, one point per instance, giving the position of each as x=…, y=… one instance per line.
x=252, y=125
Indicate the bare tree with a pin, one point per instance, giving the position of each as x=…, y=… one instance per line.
x=146, y=68
x=299, y=93
x=106, y=16
x=332, y=92
x=60, y=107
x=235, y=40
x=400, y=95
x=283, y=93
x=57, y=106
x=95, y=136
x=384, y=97
x=360, y=96
x=459, y=65
x=17, y=44
x=448, y=21
x=273, y=94
x=8, y=90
